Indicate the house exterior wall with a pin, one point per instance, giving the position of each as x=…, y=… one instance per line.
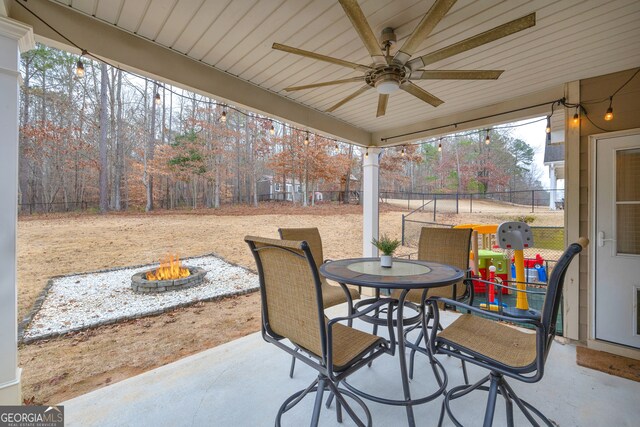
x=626, y=109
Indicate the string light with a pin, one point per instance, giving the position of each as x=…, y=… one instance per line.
x=80, y=69
x=80, y=72
x=609, y=114
x=366, y=154
x=487, y=140
x=272, y=130
x=440, y=145
x=548, y=129
x=306, y=139
x=403, y=150
x=223, y=117
x=576, y=118
x=157, y=99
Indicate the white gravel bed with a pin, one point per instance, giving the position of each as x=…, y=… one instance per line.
x=84, y=300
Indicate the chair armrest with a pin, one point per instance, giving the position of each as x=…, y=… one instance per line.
x=408, y=256
x=433, y=302
x=500, y=285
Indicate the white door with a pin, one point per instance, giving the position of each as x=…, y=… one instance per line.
x=617, y=251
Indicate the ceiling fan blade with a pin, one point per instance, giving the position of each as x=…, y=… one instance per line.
x=424, y=28
x=420, y=93
x=359, y=92
x=382, y=104
x=456, y=74
x=360, y=24
x=475, y=41
x=333, y=82
x=320, y=57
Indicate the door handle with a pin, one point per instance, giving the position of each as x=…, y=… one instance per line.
x=601, y=239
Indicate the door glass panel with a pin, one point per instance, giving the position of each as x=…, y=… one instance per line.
x=628, y=175
x=628, y=201
x=629, y=229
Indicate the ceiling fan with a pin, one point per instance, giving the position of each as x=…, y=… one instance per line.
x=389, y=73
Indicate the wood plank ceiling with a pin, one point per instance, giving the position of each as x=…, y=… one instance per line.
x=572, y=39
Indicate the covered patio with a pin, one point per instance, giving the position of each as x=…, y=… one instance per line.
x=577, y=51
x=217, y=386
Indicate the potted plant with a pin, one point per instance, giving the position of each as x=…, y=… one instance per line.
x=387, y=247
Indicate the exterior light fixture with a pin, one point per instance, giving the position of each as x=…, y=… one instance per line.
x=609, y=114
x=80, y=65
x=79, y=69
x=548, y=129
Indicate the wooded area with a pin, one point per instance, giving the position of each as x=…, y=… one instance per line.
x=112, y=140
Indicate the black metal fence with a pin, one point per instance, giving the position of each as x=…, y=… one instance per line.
x=464, y=202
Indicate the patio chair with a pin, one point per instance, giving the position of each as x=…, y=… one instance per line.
x=292, y=308
x=448, y=246
x=477, y=337
x=331, y=295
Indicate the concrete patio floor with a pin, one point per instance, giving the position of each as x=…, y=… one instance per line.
x=244, y=382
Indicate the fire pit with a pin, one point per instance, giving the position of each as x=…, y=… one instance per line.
x=169, y=276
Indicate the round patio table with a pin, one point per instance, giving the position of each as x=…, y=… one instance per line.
x=404, y=275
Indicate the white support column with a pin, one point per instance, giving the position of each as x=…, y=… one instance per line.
x=15, y=37
x=370, y=214
x=553, y=181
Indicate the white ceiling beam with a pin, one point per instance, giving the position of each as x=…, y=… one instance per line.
x=141, y=56
x=501, y=112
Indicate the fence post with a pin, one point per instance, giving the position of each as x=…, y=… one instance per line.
x=402, y=229
x=435, y=201
x=457, y=201
x=533, y=196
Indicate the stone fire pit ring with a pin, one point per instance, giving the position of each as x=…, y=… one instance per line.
x=139, y=282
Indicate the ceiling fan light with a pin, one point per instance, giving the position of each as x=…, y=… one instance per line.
x=385, y=87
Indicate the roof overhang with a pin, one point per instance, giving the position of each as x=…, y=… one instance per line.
x=569, y=42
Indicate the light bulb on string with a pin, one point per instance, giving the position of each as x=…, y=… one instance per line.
x=403, y=151
x=487, y=140
x=548, y=128
x=272, y=130
x=306, y=139
x=609, y=114
x=80, y=66
x=366, y=153
x=576, y=117
x=157, y=99
x=80, y=69
x=440, y=145
x=223, y=117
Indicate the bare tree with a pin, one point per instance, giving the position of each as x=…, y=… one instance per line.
x=104, y=202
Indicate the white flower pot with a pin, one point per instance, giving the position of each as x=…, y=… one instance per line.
x=386, y=261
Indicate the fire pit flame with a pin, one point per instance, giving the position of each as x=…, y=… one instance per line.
x=170, y=269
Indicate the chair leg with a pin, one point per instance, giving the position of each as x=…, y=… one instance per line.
x=318, y=404
x=491, y=401
x=464, y=372
x=293, y=366
x=525, y=407
x=340, y=400
x=508, y=403
x=412, y=355
x=498, y=386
